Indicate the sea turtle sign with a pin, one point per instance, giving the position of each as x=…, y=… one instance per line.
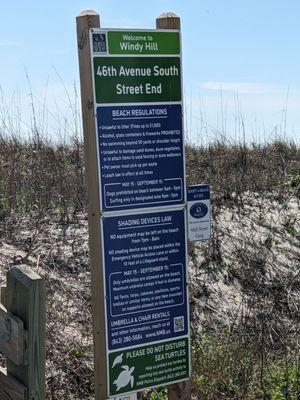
x=138, y=113
x=138, y=110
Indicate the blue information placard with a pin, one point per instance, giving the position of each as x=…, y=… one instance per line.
x=198, y=192
x=141, y=156
x=145, y=278
x=199, y=213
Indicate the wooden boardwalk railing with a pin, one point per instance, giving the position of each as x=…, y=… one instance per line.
x=22, y=336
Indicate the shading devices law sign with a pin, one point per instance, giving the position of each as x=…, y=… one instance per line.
x=146, y=284
x=138, y=109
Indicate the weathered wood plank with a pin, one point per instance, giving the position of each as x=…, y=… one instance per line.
x=26, y=300
x=10, y=388
x=12, y=337
x=85, y=21
x=3, y=295
x=181, y=390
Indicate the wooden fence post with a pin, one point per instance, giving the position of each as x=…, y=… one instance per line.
x=10, y=388
x=85, y=21
x=182, y=390
x=25, y=299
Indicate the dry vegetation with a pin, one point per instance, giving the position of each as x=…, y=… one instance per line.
x=245, y=283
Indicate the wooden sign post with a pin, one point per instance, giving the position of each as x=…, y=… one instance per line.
x=85, y=21
x=182, y=390
x=131, y=89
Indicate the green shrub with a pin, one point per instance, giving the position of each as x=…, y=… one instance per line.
x=78, y=352
x=158, y=394
x=293, y=182
x=283, y=381
x=222, y=367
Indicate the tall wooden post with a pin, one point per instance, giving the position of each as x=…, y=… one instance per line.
x=182, y=390
x=85, y=21
x=25, y=298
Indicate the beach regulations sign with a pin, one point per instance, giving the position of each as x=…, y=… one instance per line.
x=199, y=213
x=137, y=78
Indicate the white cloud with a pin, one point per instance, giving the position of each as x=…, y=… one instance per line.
x=241, y=87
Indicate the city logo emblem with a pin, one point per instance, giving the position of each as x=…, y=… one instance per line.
x=199, y=210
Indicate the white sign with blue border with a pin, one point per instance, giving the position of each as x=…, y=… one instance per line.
x=132, y=396
x=199, y=213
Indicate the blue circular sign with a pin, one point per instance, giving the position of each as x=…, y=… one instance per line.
x=199, y=210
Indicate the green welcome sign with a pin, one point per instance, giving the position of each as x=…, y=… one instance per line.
x=136, y=66
x=133, y=42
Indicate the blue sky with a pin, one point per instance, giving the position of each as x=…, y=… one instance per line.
x=241, y=61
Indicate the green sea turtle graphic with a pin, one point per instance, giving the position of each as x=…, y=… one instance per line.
x=124, y=378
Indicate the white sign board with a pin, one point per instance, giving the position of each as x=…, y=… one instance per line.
x=132, y=396
x=199, y=213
